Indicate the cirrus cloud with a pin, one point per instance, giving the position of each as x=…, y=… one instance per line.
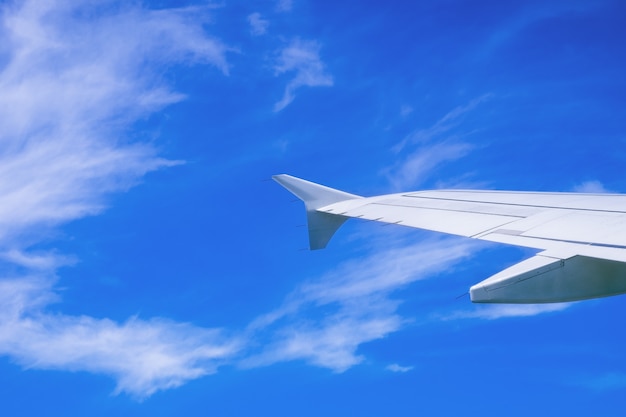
x=302, y=58
x=72, y=83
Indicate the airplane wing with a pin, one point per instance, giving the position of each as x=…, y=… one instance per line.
x=582, y=236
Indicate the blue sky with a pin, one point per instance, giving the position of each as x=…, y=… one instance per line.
x=150, y=268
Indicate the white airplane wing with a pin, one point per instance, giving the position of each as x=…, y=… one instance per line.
x=583, y=236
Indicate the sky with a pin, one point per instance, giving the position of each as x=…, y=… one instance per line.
x=149, y=265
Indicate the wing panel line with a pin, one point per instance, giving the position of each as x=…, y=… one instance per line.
x=515, y=204
x=453, y=210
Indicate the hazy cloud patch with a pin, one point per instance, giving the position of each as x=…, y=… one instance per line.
x=284, y=5
x=424, y=150
x=442, y=126
x=394, y=367
x=419, y=165
x=258, y=25
x=499, y=311
x=302, y=59
x=592, y=186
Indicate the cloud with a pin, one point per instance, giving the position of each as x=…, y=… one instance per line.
x=526, y=17
x=75, y=77
x=258, y=25
x=74, y=81
x=143, y=355
x=42, y=261
x=284, y=5
x=424, y=150
x=394, y=367
x=419, y=165
x=442, y=126
x=302, y=58
x=324, y=321
x=593, y=187
x=494, y=312
x=68, y=91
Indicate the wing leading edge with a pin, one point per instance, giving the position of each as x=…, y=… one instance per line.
x=583, y=236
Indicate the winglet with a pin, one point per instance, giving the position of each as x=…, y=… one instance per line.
x=322, y=226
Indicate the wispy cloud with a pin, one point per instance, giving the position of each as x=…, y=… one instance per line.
x=143, y=355
x=421, y=152
x=394, y=367
x=592, y=186
x=284, y=5
x=325, y=321
x=302, y=58
x=258, y=25
x=442, y=126
x=494, y=312
x=72, y=83
x=419, y=165
x=528, y=16
x=71, y=86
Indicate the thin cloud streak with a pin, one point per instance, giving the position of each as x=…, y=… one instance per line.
x=350, y=305
x=302, y=58
x=419, y=165
x=258, y=25
x=495, y=312
x=423, y=151
x=394, y=367
x=592, y=186
x=284, y=5
x=442, y=126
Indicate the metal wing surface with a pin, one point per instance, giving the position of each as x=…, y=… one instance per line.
x=583, y=236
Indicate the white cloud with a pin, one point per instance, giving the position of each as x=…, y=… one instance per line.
x=331, y=343
x=301, y=57
x=526, y=17
x=67, y=92
x=442, y=126
x=258, y=25
x=394, y=367
x=419, y=165
x=43, y=261
x=406, y=110
x=76, y=75
x=593, y=187
x=494, y=312
x=284, y=5
x=424, y=150
x=143, y=356
x=351, y=305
